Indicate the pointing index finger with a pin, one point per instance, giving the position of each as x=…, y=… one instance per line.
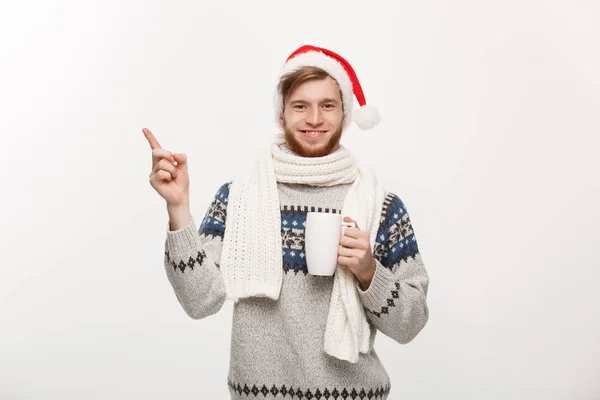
x=151, y=139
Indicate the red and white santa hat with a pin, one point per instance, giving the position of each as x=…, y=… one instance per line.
x=366, y=117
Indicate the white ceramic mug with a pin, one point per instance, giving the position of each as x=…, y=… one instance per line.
x=322, y=234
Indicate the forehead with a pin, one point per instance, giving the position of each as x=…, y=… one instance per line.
x=315, y=90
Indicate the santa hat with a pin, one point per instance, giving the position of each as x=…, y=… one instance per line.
x=366, y=117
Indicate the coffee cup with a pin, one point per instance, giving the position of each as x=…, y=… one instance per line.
x=322, y=234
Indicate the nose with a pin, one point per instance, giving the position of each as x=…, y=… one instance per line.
x=315, y=116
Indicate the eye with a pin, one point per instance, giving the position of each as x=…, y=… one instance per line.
x=298, y=106
x=329, y=105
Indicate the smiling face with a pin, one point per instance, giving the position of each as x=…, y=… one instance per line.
x=313, y=117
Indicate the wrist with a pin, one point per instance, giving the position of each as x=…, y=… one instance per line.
x=179, y=216
x=184, y=205
x=367, y=276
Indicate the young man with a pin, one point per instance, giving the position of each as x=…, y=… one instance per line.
x=296, y=335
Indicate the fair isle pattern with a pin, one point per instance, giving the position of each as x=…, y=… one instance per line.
x=213, y=224
x=182, y=265
x=396, y=243
x=396, y=240
x=293, y=222
x=385, y=309
x=319, y=393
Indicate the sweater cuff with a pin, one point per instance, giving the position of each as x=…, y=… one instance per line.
x=378, y=291
x=182, y=239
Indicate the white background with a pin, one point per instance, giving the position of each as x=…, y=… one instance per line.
x=489, y=134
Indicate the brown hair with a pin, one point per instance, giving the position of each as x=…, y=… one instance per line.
x=290, y=81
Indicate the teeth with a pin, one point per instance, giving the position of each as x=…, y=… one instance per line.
x=314, y=133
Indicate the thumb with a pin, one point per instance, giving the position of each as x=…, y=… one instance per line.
x=181, y=160
x=348, y=219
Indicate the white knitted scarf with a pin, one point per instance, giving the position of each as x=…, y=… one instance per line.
x=251, y=259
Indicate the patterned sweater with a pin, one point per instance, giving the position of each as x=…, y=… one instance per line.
x=277, y=345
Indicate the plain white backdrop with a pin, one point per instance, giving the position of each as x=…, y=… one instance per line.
x=489, y=133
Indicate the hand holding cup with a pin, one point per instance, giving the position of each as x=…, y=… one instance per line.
x=355, y=254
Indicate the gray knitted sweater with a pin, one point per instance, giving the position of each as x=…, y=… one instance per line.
x=277, y=345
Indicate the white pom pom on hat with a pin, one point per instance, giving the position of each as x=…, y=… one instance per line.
x=366, y=117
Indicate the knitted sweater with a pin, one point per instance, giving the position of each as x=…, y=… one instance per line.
x=277, y=345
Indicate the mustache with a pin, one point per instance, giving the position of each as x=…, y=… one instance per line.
x=296, y=145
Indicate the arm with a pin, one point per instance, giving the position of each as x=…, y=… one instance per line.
x=192, y=259
x=395, y=300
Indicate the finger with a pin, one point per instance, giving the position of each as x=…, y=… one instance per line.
x=351, y=243
x=158, y=178
x=181, y=161
x=348, y=219
x=166, y=166
x=158, y=154
x=346, y=252
x=151, y=139
x=163, y=175
x=354, y=233
x=346, y=261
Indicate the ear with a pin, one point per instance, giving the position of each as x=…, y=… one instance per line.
x=281, y=121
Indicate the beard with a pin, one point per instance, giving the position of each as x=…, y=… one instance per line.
x=295, y=145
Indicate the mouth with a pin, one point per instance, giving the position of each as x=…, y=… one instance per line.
x=312, y=134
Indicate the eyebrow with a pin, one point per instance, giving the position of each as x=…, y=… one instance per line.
x=325, y=100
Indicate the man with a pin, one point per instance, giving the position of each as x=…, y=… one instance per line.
x=296, y=335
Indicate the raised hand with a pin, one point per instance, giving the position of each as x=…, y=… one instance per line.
x=169, y=176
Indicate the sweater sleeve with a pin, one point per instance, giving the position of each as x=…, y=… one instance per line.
x=192, y=259
x=395, y=301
